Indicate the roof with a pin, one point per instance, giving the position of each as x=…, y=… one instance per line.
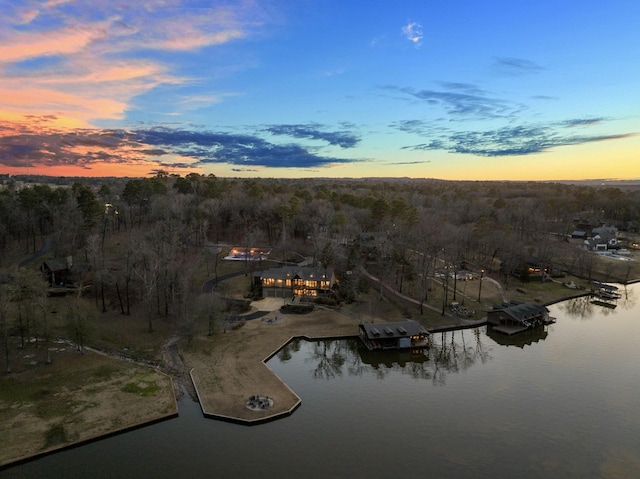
x=396, y=329
x=522, y=311
x=302, y=272
x=58, y=264
x=66, y=263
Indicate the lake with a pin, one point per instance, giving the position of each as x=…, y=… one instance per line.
x=562, y=402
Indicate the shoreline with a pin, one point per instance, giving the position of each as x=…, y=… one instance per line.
x=246, y=351
x=166, y=408
x=84, y=442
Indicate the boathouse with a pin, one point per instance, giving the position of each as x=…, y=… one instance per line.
x=515, y=317
x=405, y=334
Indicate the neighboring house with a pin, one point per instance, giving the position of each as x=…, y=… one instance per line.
x=606, y=231
x=248, y=254
x=67, y=272
x=289, y=281
x=514, y=317
x=406, y=334
x=602, y=239
x=532, y=266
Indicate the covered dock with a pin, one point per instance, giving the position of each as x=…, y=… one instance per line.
x=515, y=317
x=406, y=334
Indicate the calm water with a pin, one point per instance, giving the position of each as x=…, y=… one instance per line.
x=564, y=403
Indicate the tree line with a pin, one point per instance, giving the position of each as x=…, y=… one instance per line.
x=142, y=236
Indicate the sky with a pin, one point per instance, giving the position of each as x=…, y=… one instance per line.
x=448, y=89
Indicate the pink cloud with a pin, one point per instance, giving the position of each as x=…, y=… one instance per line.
x=195, y=41
x=23, y=46
x=47, y=102
x=101, y=66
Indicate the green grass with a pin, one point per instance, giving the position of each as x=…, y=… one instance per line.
x=142, y=388
x=55, y=436
x=13, y=390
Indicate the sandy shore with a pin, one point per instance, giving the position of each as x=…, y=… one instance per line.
x=230, y=368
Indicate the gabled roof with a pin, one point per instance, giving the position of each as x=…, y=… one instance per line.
x=302, y=272
x=397, y=329
x=522, y=311
x=58, y=264
x=66, y=264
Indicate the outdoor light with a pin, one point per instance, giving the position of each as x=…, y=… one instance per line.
x=480, y=287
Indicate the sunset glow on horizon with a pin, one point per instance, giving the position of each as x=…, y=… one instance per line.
x=459, y=91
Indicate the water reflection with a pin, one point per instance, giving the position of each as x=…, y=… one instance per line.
x=629, y=297
x=563, y=407
x=448, y=352
x=520, y=340
x=589, y=307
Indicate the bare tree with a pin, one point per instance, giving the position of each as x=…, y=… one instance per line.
x=6, y=307
x=79, y=317
x=146, y=270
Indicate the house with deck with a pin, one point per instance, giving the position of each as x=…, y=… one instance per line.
x=515, y=317
x=532, y=267
x=67, y=272
x=406, y=334
x=292, y=281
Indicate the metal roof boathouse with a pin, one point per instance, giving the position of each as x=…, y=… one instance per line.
x=515, y=317
x=406, y=334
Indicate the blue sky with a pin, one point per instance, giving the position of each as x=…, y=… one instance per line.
x=441, y=89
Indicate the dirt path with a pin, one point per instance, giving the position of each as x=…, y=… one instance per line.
x=174, y=366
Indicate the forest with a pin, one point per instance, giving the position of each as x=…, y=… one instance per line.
x=143, y=247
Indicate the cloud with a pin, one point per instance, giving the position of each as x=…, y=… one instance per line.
x=515, y=66
x=421, y=127
x=65, y=41
x=27, y=13
x=583, y=122
x=37, y=142
x=192, y=32
x=90, y=63
x=507, y=141
x=411, y=162
x=241, y=150
x=462, y=101
x=314, y=131
x=413, y=32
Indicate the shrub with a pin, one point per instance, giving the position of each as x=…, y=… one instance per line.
x=328, y=301
x=297, y=308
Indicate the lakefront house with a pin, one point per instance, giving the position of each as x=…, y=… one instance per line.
x=292, y=281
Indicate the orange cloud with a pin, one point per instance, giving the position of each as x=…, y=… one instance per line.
x=50, y=145
x=92, y=70
x=12, y=123
x=88, y=81
x=24, y=46
x=195, y=41
x=83, y=108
